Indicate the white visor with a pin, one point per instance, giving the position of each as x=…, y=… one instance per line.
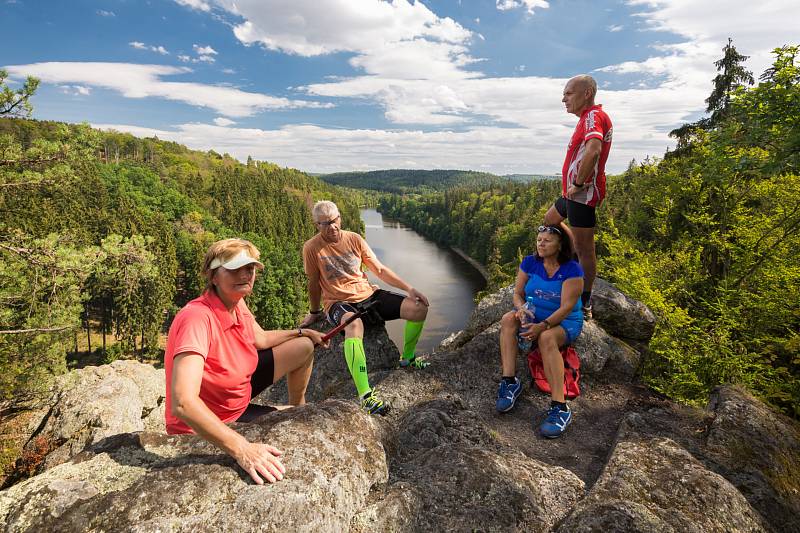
x=238, y=261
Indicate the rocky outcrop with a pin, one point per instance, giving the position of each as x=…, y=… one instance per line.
x=759, y=451
x=654, y=485
x=619, y=314
x=93, y=403
x=153, y=482
x=443, y=460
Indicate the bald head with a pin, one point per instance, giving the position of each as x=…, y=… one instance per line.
x=579, y=94
x=585, y=82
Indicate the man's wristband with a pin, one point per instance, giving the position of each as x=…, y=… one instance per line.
x=579, y=185
x=299, y=332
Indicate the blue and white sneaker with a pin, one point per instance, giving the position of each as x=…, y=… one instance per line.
x=507, y=395
x=556, y=422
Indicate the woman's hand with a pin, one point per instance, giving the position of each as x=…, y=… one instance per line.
x=260, y=461
x=532, y=331
x=316, y=337
x=524, y=314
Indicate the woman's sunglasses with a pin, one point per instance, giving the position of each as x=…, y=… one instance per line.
x=549, y=229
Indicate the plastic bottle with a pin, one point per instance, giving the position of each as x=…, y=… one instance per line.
x=527, y=319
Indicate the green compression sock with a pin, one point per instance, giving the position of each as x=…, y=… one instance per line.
x=410, y=338
x=357, y=364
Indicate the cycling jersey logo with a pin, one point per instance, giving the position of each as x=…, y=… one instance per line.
x=607, y=136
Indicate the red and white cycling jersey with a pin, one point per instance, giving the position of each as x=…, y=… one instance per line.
x=593, y=124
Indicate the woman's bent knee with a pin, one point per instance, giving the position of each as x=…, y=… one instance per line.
x=509, y=320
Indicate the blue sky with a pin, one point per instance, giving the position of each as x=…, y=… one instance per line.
x=334, y=85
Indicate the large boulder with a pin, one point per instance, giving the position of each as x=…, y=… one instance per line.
x=654, y=485
x=90, y=404
x=621, y=315
x=452, y=474
x=152, y=482
x=759, y=451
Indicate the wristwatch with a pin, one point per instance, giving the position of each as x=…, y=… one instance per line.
x=547, y=324
x=299, y=332
x=579, y=185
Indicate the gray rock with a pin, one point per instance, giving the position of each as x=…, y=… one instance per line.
x=759, y=451
x=151, y=482
x=654, y=485
x=621, y=315
x=468, y=488
x=95, y=402
x=596, y=349
x=392, y=509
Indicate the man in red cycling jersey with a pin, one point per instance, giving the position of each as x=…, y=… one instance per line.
x=583, y=178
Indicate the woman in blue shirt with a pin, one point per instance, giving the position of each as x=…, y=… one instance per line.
x=555, y=282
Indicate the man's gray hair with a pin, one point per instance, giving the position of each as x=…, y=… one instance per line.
x=588, y=82
x=324, y=209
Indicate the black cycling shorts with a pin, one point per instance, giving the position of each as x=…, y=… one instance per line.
x=262, y=378
x=579, y=215
x=264, y=375
x=387, y=308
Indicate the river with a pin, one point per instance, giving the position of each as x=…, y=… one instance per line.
x=448, y=281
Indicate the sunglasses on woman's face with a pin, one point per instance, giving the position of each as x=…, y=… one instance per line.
x=549, y=229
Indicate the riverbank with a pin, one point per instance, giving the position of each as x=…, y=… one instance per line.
x=477, y=266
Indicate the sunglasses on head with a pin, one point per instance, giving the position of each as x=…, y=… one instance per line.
x=549, y=229
x=330, y=222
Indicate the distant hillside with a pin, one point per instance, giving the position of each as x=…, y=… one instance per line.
x=527, y=178
x=403, y=180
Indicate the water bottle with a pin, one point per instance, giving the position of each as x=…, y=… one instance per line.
x=525, y=344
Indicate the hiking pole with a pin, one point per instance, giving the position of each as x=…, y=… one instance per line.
x=359, y=313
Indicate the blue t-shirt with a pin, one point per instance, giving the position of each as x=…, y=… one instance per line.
x=546, y=291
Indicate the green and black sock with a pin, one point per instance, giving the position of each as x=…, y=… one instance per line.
x=357, y=364
x=410, y=338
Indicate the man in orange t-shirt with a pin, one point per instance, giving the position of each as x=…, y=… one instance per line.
x=337, y=286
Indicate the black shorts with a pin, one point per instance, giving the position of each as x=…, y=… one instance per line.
x=264, y=375
x=387, y=308
x=262, y=378
x=579, y=215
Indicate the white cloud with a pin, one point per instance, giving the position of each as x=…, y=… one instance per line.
x=104, y=13
x=143, y=81
x=195, y=4
x=529, y=5
x=316, y=27
x=184, y=58
x=75, y=90
x=204, y=50
x=615, y=28
x=228, y=71
x=142, y=46
x=205, y=54
x=224, y=122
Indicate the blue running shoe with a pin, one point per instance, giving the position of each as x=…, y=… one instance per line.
x=507, y=395
x=556, y=422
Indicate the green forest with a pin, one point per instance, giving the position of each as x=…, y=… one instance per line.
x=102, y=236
x=707, y=236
